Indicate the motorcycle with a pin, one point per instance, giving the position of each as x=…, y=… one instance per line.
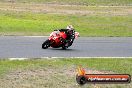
x=57, y=39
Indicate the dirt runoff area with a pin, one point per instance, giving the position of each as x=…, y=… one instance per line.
x=66, y=9
x=49, y=77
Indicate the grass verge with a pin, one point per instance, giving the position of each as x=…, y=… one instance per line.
x=43, y=73
x=24, y=23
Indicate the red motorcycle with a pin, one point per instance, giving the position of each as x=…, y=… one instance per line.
x=57, y=39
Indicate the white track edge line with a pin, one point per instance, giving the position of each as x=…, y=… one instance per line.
x=18, y=58
x=35, y=36
x=67, y=57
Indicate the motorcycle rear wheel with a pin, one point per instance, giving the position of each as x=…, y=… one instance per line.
x=64, y=47
x=46, y=44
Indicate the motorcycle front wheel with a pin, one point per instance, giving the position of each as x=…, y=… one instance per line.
x=46, y=44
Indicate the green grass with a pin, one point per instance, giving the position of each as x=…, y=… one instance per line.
x=23, y=23
x=78, y=2
x=115, y=65
x=44, y=73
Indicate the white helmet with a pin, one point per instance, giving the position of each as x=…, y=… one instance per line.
x=69, y=27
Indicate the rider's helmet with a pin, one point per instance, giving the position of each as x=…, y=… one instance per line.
x=70, y=27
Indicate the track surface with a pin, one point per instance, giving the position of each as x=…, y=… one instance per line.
x=30, y=47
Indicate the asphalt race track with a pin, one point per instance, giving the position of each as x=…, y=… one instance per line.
x=30, y=47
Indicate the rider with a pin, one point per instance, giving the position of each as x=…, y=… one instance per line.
x=70, y=34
